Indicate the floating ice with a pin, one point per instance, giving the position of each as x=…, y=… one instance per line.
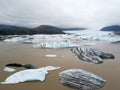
x=88, y=44
x=55, y=45
x=14, y=39
x=8, y=69
x=79, y=79
x=51, y=55
x=29, y=75
x=97, y=36
x=65, y=40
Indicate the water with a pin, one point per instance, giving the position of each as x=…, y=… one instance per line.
x=25, y=53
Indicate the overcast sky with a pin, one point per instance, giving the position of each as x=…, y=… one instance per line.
x=79, y=13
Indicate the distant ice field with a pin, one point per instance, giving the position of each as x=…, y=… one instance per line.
x=67, y=40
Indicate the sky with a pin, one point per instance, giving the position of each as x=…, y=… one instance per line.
x=92, y=14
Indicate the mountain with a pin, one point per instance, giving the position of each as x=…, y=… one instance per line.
x=49, y=27
x=42, y=29
x=10, y=27
x=111, y=28
x=71, y=29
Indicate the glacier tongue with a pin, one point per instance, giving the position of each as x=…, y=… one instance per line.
x=65, y=40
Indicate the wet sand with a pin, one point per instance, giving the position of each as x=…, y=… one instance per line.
x=25, y=53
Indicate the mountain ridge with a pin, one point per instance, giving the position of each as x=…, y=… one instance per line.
x=42, y=29
x=111, y=28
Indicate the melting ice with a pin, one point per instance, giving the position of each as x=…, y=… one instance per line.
x=65, y=40
x=29, y=75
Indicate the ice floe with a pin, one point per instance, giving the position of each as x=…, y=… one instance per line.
x=51, y=55
x=8, y=69
x=29, y=75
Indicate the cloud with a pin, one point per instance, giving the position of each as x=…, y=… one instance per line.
x=87, y=13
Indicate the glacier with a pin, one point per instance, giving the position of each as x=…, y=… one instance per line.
x=65, y=40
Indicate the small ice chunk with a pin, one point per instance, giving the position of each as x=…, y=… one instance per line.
x=89, y=44
x=29, y=75
x=51, y=55
x=8, y=69
x=49, y=68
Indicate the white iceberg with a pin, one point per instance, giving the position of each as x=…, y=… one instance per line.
x=89, y=35
x=55, y=45
x=89, y=44
x=14, y=39
x=8, y=69
x=51, y=55
x=29, y=75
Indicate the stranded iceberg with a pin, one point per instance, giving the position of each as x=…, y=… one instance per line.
x=27, y=75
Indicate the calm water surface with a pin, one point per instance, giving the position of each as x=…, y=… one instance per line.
x=25, y=53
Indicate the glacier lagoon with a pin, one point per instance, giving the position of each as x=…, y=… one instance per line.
x=24, y=53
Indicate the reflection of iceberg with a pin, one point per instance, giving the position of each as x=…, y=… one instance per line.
x=29, y=75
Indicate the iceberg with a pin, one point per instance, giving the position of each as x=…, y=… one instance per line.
x=79, y=79
x=97, y=36
x=8, y=69
x=14, y=39
x=29, y=75
x=55, y=45
x=51, y=55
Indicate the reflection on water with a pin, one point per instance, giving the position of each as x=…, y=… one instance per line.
x=25, y=53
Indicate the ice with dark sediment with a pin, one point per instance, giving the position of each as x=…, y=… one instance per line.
x=91, y=55
x=79, y=79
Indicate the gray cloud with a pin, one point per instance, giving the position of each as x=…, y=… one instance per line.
x=87, y=13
